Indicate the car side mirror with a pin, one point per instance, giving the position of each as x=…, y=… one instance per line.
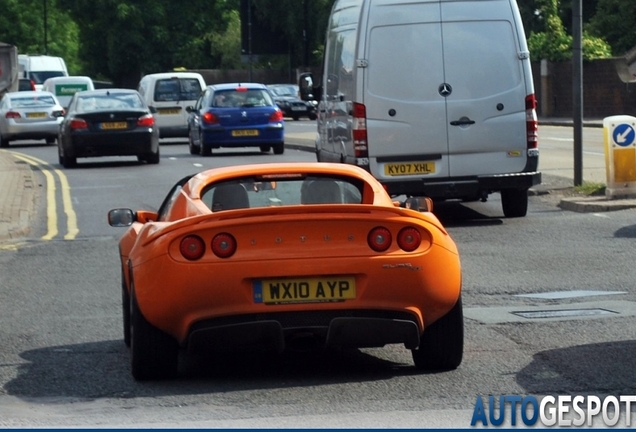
x=152, y=109
x=121, y=217
x=189, y=109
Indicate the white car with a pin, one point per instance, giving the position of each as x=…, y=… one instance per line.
x=32, y=115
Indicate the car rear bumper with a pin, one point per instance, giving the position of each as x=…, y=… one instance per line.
x=305, y=330
x=173, y=131
x=222, y=137
x=114, y=144
x=40, y=130
x=463, y=187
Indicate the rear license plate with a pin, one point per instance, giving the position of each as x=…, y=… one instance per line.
x=114, y=125
x=245, y=132
x=168, y=110
x=310, y=290
x=36, y=115
x=410, y=168
x=299, y=108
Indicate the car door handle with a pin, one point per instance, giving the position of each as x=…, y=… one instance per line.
x=462, y=121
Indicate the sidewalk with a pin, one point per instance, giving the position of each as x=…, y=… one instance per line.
x=18, y=189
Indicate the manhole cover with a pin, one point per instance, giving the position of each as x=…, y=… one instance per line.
x=563, y=313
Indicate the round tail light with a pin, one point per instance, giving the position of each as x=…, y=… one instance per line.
x=379, y=239
x=223, y=245
x=409, y=239
x=192, y=247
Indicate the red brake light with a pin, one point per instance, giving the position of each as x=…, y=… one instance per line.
x=276, y=116
x=78, y=123
x=192, y=247
x=379, y=239
x=360, y=143
x=210, y=118
x=224, y=245
x=532, y=124
x=146, y=121
x=241, y=89
x=409, y=239
x=12, y=114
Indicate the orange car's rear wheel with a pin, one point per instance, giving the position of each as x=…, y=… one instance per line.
x=442, y=344
x=153, y=353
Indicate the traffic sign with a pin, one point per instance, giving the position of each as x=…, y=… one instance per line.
x=624, y=135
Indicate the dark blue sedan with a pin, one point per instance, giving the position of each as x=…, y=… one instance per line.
x=235, y=115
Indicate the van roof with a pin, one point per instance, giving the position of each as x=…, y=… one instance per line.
x=70, y=79
x=164, y=75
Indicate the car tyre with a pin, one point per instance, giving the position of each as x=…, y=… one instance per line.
x=313, y=116
x=442, y=344
x=153, y=158
x=194, y=149
x=514, y=202
x=266, y=149
x=295, y=118
x=50, y=141
x=279, y=148
x=203, y=149
x=4, y=142
x=154, y=355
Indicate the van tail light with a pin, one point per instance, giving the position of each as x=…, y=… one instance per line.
x=409, y=239
x=223, y=245
x=12, y=114
x=277, y=116
x=78, y=123
x=379, y=239
x=532, y=124
x=209, y=118
x=32, y=85
x=192, y=247
x=359, y=130
x=146, y=121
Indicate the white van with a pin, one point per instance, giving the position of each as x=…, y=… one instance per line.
x=434, y=97
x=170, y=93
x=65, y=87
x=39, y=68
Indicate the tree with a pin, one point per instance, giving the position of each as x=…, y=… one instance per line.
x=555, y=44
x=614, y=20
x=22, y=24
x=123, y=40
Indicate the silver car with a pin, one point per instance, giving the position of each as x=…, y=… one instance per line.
x=29, y=115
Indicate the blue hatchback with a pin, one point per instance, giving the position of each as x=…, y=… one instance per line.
x=235, y=115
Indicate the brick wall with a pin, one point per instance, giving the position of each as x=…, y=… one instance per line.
x=604, y=93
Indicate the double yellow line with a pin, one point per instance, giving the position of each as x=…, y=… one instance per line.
x=51, y=199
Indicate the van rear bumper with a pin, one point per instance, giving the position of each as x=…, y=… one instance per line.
x=464, y=187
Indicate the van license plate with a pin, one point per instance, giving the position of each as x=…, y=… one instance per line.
x=410, y=168
x=245, y=132
x=114, y=125
x=305, y=290
x=168, y=110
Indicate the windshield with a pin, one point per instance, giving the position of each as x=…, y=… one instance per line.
x=254, y=192
x=177, y=89
x=111, y=101
x=284, y=91
x=41, y=76
x=33, y=101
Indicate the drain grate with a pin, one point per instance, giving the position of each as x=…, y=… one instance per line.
x=563, y=313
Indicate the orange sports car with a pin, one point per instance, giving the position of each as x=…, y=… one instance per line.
x=286, y=256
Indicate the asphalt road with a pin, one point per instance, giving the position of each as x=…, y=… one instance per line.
x=549, y=301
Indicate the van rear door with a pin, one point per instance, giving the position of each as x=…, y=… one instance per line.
x=486, y=107
x=406, y=116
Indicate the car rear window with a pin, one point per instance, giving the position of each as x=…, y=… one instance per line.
x=253, y=192
x=112, y=101
x=32, y=101
x=241, y=98
x=177, y=89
